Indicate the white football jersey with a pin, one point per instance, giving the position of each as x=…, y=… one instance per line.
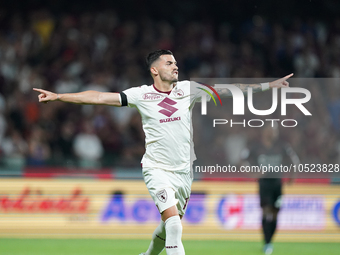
x=166, y=119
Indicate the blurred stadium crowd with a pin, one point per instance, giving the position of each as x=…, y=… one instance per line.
x=100, y=51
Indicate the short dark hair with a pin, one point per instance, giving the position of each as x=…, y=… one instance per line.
x=153, y=56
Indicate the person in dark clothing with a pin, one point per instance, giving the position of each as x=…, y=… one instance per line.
x=270, y=151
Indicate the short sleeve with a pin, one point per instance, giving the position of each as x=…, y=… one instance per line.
x=132, y=95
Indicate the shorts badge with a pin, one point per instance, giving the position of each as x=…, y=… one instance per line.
x=162, y=195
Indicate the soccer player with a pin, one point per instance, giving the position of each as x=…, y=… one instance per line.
x=270, y=151
x=165, y=109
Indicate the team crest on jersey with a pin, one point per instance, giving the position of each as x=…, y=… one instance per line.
x=152, y=96
x=178, y=93
x=162, y=195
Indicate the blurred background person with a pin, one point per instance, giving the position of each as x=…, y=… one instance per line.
x=15, y=150
x=270, y=151
x=88, y=147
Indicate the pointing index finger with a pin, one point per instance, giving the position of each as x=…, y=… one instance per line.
x=288, y=76
x=39, y=90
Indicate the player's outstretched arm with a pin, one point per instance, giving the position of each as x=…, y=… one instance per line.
x=86, y=97
x=280, y=83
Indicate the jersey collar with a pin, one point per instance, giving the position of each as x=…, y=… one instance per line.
x=167, y=92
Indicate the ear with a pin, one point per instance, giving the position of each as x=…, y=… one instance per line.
x=154, y=70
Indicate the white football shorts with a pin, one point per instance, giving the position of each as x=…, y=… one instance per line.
x=168, y=188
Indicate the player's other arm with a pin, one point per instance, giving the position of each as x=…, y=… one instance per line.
x=295, y=160
x=86, y=97
x=280, y=83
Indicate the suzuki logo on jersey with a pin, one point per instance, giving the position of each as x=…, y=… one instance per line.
x=168, y=108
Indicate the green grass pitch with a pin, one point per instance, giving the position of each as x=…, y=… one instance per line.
x=134, y=247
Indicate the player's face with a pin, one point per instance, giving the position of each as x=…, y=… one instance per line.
x=167, y=68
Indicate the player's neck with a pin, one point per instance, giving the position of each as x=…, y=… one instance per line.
x=163, y=86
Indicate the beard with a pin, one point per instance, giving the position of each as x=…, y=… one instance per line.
x=168, y=78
